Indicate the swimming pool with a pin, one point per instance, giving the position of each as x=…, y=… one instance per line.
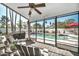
x=49, y=37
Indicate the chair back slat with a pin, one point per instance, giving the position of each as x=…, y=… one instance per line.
x=25, y=50
x=20, y=50
x=37, y=51
x=31, y=51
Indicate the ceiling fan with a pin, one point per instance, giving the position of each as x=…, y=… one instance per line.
x=33, y=6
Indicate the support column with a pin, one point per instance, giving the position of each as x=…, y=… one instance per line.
x=15, y=21
x=44, y=29
x=29, y=30
x=11, y=16
x=56, y=31
x=20, y=24
x=36, y=30
x=78, y=33
x=6, y=21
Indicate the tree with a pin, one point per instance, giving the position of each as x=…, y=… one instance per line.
x=64, y=24
x=60, y=24
x=3, y=21
x=24, y=25
x=69, y=21
x=38, y=26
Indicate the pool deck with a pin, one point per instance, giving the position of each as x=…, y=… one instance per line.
x=65, y=44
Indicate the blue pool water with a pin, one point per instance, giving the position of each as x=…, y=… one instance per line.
x=48, y=37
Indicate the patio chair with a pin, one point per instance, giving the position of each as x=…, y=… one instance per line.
x=31, y=51
x=25, y=50
x=20, y=50
x=34, y=51
x=37, y=51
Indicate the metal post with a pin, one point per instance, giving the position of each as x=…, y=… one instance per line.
x=10, y=18
x=12, y=22
x=6, y=21
x=56, y=31
x=15, y=21
x=20, y=24
x=44, y=29
x=78, y=33
x=29, y=28
x=36, y=30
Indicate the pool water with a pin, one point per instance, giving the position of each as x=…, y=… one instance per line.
x=48, y=37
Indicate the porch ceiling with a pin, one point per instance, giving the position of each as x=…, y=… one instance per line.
x=51, y=9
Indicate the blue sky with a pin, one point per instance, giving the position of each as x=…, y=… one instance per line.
x=3, y=12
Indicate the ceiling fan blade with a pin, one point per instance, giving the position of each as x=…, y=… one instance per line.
x=37, y=11
x=31, y=4
x=40, y=5
x=24, y=7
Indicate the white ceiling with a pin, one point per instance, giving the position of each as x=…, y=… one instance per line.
x=51, y=9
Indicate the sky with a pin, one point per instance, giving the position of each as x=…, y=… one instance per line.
x=3, y=12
